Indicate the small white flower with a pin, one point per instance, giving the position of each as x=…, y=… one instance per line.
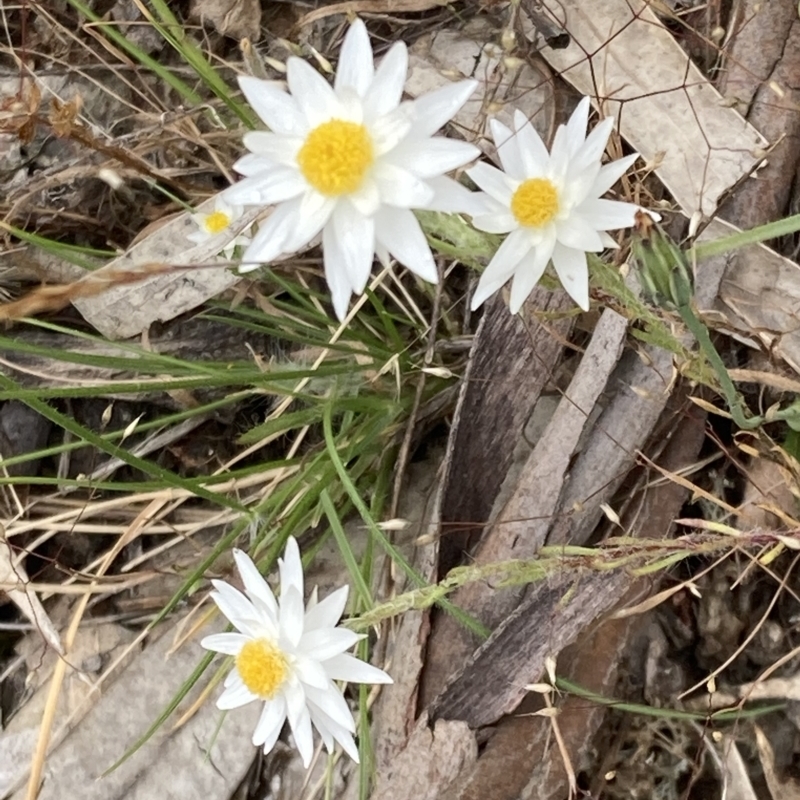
x=549, y=205
x=218, y=224
x=289, y=657
x=351, y=161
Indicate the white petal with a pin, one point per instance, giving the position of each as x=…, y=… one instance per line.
x=386, y=89
x=291, y=567
x=329, y=728
x=398, y=230
x=319, y=716
x=247, y=191
x=355, y=68
x=576, y=232
x=367, y=199
x=527, y=275
x=577, y=186
x=291, y=617
x=399, y=187
x=266, y=188
x=434, y=109
x=331, y=703
x=307, y=226
x=451, y=197
x=390, y=129
x=277, y=109
x=233, y=212
x=348, y=745
x=435, y=156
x=573, y=272
x=575, y=128
x=299, y=721
x=568, y=142
x=560, y=157
x=324, y=643
x=328, y=612
x=606, y=215
x=383, y=255
x=251, y=164
x=354, y=244
x=235, y=696
x=485, y=289
x=351, y=105
x=507, y=149
x=228, y=643
x=233, y=679
x=494, y=182
x=254, y=583
x=335, y=272
x=312, y=93
x=270, y=723
x=609, y=242
x=274, y=146
x=496, y=222
x=321, y=724
x=513, y=249
x=234, y=605
x=610, y=173
x=505, y=262
x=533, y=152
x=199, y=236
x=267, y=244
x=592, y=151
x=313, y=212
x=345, y=667
x=310, y=672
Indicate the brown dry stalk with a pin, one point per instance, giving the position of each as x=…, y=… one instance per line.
x=55, y=297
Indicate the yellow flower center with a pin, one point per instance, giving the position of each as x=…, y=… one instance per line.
x=216, y=222
x=535, y=202
x=335, y=157
x=262, y=667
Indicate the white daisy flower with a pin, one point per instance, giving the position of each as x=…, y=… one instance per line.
x=218, y=224
x=549, y=205
x=351, y=161
x=288, y=656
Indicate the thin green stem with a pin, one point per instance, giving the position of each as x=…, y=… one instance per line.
x=732, y=397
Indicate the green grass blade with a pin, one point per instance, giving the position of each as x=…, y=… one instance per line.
x=466, y=620
x=772, y=230
x=183, y=89
x=361, y=587
x=174, y=34
x=154, y=471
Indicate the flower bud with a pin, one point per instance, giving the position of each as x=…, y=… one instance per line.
x=664, y=272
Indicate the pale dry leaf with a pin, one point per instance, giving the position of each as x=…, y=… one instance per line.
x=666, y=108
x=736, y=784
x=93, y=649
x=201, y=760
x=238, y=19
x=14, y=580
x=768, y=485
x=15, y=753
x=780, y=789
x=125, y=311
x=759, y=296
x=504, y=83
